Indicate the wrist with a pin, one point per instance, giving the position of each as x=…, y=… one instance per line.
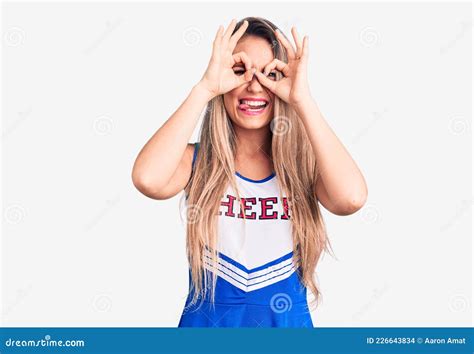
x=201, y=89
x=302, y=102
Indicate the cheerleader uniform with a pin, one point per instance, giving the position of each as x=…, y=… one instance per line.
x=257, y=283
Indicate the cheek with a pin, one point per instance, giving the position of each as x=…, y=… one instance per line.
x=229, y=106
x=230, y=99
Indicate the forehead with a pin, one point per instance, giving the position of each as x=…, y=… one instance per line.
x=257, y=49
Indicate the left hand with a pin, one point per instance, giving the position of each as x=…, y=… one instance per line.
x=293, y=86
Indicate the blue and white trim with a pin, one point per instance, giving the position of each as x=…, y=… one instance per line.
x=253, y=279
x=273, y=174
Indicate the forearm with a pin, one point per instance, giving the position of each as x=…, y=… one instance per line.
x=343, y=182
x=161, y=155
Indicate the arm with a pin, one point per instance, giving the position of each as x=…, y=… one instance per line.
x=163, y=166
x=341, y=188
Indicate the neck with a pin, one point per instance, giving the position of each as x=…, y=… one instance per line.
x=253, y=142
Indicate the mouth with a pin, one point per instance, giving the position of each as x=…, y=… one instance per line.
x=253, y=106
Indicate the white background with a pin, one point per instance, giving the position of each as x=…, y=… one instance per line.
x=84, y=86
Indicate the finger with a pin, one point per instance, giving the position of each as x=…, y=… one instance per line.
x=290, y=51
x=248, y=76
x=265, y=81
x=218, y=37
x=279, y=65
x=242, y=57
x=219, y=33
x=229, y=30
x=296, y=37
x=305, y=50
x=237, y=35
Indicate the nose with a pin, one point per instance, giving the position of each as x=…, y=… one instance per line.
x=254, y=85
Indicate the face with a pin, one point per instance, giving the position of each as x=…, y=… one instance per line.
x=250, y=106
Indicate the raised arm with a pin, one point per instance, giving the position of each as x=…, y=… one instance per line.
x=341, y=188
x=163, y=166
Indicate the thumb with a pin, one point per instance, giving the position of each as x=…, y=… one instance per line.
x=265, y=81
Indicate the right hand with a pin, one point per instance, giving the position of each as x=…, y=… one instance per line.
x=219, y=77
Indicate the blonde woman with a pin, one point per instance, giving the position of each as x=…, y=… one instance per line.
x=265, y=160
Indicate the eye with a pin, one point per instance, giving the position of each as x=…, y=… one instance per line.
x=272, y=75
x=238, y=70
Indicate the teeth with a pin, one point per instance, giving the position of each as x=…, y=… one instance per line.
x=254, y=103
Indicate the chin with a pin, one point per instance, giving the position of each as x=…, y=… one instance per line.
x=252, y=121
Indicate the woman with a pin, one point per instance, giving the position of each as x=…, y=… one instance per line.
x=265, y=159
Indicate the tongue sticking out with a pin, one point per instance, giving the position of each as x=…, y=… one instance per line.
x=244, y=107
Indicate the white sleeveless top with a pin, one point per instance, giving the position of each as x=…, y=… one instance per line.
x=262, y=239
x=257, y=270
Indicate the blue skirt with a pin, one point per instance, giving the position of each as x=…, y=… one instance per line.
x=282, y=304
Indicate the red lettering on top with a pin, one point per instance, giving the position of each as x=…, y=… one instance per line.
x=230, y=206
x=266, y=208
x=286, y=214
x=246, y=207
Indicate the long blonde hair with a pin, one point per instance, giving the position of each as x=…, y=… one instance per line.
x=295, y=168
